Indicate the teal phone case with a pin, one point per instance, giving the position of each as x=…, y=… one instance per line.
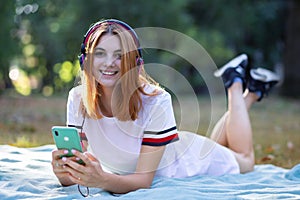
x=66, y=138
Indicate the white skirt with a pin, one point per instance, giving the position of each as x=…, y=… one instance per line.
x=196, y=155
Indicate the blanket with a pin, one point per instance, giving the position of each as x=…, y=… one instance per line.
x=25, y=173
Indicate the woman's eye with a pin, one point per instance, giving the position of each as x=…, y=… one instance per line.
x=118, y=56
x=99, y=53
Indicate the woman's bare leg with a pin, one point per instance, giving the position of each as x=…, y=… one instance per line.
x=234, y=128
x=219, y=131
x=238, y=128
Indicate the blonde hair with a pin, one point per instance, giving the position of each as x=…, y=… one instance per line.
x=126, y=97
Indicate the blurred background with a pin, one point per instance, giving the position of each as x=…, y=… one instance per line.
x=41, y=41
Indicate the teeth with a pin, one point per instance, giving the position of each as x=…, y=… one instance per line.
x=108, y=72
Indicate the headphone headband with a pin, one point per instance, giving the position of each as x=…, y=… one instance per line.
x=111, y=21
x=97, y=25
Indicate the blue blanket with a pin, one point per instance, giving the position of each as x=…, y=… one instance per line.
x=27, y=174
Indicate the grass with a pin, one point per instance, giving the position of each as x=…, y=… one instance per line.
x=27, y=121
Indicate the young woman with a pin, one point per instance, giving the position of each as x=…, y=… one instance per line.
x=127, y=120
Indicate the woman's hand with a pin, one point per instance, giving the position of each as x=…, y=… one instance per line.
x=89, y=174
x=58, y=167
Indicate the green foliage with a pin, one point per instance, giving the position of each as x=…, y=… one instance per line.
x=254, y=27
x=8, y=34
x=42, y=38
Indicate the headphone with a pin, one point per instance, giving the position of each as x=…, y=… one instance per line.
x=81, y=57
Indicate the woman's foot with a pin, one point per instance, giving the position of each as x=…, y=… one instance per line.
x=233, y=71
x=261, y=81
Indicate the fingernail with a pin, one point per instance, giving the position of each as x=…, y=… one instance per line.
x=73, y=151
x=64, y=159
x=77, y=158
x=66, y=151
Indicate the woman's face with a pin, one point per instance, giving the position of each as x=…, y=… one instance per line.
x=107, y=60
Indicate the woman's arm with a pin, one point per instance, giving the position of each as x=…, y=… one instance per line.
x=92, y=175
x=148, y=162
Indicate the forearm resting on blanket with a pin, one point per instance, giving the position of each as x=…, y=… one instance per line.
x=147, y=165
x=121, y=184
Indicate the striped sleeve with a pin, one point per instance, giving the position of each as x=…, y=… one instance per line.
x=160, y=138
x=161, y=128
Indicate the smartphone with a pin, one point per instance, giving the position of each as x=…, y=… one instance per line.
x=67, y=138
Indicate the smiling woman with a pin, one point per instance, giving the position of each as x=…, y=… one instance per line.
x=127, y=121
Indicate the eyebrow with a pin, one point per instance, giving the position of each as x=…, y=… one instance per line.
x=116, y=51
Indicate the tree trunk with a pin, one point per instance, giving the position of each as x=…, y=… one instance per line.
x=291, y=83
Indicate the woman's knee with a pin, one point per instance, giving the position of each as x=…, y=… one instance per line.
x=245, y=161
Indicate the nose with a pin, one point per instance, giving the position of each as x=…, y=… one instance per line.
x=110, y=61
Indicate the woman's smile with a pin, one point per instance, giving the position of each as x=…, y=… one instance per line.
x=109, y=72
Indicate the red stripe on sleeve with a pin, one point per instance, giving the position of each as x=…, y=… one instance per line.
x=161, y=140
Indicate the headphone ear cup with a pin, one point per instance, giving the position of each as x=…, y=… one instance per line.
x=81, y=60
x=81, y=57
x=82, y=48
x=139, y=63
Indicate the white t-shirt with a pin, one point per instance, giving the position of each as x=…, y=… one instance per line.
x=117, y=144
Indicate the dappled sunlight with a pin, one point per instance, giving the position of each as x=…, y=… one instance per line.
x=28, y=50
x=20, y=81
x=47, y=91
x=65, y=72
x=25, y=83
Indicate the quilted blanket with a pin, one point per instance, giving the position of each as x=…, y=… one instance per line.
x=25, y=173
